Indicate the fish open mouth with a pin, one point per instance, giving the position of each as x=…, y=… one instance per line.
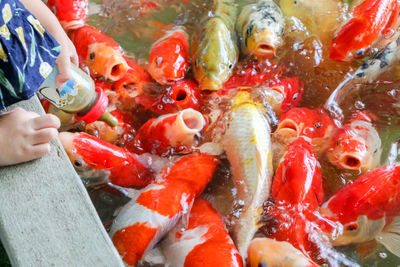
x=192, y=120
x=350, y=162
x=287, y=130
x=265, y=50
x=117, y=70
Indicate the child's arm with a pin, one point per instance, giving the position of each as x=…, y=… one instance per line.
x=50, y=22
x=25, y=135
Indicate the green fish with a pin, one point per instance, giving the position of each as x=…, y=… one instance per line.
x=260, y=27
x=214, y=49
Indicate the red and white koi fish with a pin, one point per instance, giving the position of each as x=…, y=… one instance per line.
x=312, y=123
x=169, y=56
x=181, y=95
x=203, y=243
x=177, y=131
x=357, y=145
x=154, y=210
x=371, y=18
x=71, y=14
x=269, y=252
x=297, y=191
x=367, y=209
x=89, y=153
x=282, y=94
x=101, y=54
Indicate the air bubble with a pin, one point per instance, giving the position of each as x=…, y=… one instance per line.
x=382, y=255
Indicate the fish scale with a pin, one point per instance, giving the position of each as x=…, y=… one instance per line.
x=248, y=147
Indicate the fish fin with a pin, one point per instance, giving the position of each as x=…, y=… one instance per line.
x=390, y=237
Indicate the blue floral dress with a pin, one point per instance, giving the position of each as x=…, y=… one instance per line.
x=27, y=53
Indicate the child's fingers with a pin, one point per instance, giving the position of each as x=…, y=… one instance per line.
x=64, y=68
x=40, y=150
x=46, y=121
x=44, y=136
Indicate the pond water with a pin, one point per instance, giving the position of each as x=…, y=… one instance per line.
x=308, y=33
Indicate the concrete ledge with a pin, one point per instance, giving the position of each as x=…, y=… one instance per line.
x=46, y=216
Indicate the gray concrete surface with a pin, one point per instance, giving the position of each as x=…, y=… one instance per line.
x=46, y=216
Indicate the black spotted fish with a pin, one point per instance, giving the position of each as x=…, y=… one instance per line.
x=260, y=27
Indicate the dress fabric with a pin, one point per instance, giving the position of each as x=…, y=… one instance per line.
x=27, y=53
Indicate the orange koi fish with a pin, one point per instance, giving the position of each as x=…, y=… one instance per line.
x=71, y=14
x=269, y=252
x=367, y=209
x=203, y=243
x=87, y=152
x=297, y=192
x=181, y=95
x=169, y=56
x=154, y=210
x=130, y=84
x=357, y=145
x=312, y=123
x=177, y=131
x=371, y=18
x=101, y=54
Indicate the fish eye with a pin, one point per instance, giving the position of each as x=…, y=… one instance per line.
x=318, y=125
x=78, y=163
x=352, y=226
x=230, y=66
x=295, y=96
x=92, y=56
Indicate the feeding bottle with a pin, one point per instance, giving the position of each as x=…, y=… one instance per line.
x=79, y=96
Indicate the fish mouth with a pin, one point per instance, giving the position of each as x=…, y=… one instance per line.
x=348, y=161
x=191, y=120
x=107, y=61
x=187, y=124
x=72, y=25
x=210, y=84
x=287, y=130
x=263, y=44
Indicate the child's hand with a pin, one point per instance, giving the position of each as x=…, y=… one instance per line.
x=25, y=135
x=67, y=55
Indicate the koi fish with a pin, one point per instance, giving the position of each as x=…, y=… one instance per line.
x=312, y=123
x=260, y=27
x=370, y=19
x=282, y=94
x=214, y=50
x=89, y=154
x=250, y=75
x=123, y=132
x=269, y=252
x=203, y=243
x=169, y=56
x=154, y=210
x=101, y=54
x=357, y=145
x=367, y=209
x=71, y=14
x=368, y=72
x=248, y=148
x=297, y=192
x=181, y=95
x=177, y=131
